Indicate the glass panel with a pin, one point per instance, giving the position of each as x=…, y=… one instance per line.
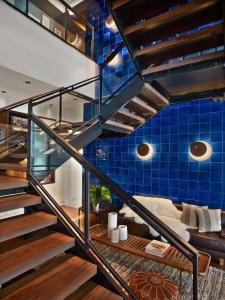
x=19, y=4
x=51, y=14
x=117, y=72
x=69, y=113
x=48, y=110
x=76, y=31
x=121, y=236
x=117, y=233
x=59, y=174
x=10, y=138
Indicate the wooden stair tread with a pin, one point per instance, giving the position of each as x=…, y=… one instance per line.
x=13, y=166
x=93, y=291
x=24, y=224
x=57, y=283
x=19, y=155
x=151, y=95
x=183, y=63
x=140, y=107
x=7, y=182
x=18, y=201
x=19, y=260
x=125, y=116
x=185, y=17
x=119, y=3
x=190, y=43
x=143, y=9
x=120, y=125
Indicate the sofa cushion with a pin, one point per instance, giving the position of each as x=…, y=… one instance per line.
x=190, y=216
x=209, y=240
x=209, y=220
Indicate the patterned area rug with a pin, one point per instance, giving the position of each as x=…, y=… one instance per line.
x=126, y=264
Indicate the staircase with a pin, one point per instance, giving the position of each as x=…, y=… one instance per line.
x=178, y=45
x=36, y=259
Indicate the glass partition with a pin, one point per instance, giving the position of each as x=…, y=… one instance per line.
x=49, y=159
x=120, y=232
x=58, y=17
x=117, y=72
x=69, y=113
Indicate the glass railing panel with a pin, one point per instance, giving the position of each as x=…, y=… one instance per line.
x=127, y=234
x=117, y=72
x=48, y=110
x=51, y=14
x=59, y=174
x=67, y=23
x=127, y=242
x=11, y=139
x=69, y=113
x=76, y=31
x=19, y=4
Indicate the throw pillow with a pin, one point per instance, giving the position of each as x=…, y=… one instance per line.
x=190, y=216
x=209, y=220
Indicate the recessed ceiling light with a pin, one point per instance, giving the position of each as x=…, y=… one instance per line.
x=28, y=82
x=3, y=92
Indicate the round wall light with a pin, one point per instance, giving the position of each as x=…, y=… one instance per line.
x=200, y=150
x=144, y=151
x=109, y=23
x=116, y=60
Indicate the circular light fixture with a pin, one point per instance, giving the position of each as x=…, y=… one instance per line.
x=109, y=23
x=145, y=151
x=200, y=150
x=116, y=59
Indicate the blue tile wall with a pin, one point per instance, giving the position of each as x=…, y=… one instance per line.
x=171, y=171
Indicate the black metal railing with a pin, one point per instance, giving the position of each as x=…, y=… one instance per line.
x=185, y=248
x=60, y=19
x=116, y=73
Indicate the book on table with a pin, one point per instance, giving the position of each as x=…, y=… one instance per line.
x=157, y=248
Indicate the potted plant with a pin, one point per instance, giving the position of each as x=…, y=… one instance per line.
x=98, y=193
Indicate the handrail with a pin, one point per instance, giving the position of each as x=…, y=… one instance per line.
x=119, y=88
x=71, y=226
x=112, y=55
x=185, y=248
x=26, y=100
x=73, y=12
x=94, y=120
x=129, y=200
x=68, y=88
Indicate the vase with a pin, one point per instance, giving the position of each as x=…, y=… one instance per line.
x=96, y=208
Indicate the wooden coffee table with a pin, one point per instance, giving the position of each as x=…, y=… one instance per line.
x=136, y=245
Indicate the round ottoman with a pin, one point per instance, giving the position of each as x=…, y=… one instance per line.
x=154, y=286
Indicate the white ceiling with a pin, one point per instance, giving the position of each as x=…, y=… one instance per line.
x=13, y=83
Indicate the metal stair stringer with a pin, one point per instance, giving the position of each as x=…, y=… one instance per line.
x=121, y=99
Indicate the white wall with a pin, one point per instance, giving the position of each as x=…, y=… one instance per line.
x=30, y=50
x=33, y=51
